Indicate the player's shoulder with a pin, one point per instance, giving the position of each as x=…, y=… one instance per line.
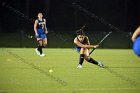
x=44, y=19
x=86, y=37
x=139, y=28
x=75, y=39
x=36, y=20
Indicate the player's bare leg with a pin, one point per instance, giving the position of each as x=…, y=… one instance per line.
x=91, y=60
x=44, y=43
x=40, y=46
x=81, y=59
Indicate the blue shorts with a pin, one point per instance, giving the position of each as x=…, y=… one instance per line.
x=78, y=49
x=41, y=33
x=41, y=36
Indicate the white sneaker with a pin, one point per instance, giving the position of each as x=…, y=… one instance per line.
x=42, y=55
x=79, y=66
x=100, y=64
x=37, y=52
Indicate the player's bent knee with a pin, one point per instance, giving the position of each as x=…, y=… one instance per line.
x=45, y=44
x=82, y=50
x=87, y=58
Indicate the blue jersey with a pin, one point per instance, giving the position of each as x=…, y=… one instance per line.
x=41, y=29
x=41, y=24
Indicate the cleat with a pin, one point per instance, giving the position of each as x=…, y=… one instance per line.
x=79, y=66
x=37, y=52
x=42, y=55
x=100, y=64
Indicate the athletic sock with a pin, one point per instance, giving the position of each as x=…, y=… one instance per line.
x=40, y=49
x=81, y=60
x=91, y=60
x=42, y=46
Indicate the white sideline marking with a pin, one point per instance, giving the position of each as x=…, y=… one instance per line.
x=76, y=90
x=108, y=89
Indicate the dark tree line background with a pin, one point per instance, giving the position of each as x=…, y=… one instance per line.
x=17, y=16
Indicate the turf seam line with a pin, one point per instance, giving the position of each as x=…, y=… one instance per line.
x=58, y=80
x=122, y=77
x=129, y=88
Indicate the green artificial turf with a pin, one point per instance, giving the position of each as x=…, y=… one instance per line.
x=22, y=71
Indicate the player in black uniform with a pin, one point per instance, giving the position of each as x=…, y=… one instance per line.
x=40, y=30
x=83, y=45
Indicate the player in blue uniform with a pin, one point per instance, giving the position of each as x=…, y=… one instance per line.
x=136, y=41
x=83, y=45
x=40, y=30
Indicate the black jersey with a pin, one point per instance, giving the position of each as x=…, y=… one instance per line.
x=41, y=24
x=85, y=41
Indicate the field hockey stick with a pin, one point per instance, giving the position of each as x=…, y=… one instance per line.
x=100, y=19
x=83, y=27
x=101, y=41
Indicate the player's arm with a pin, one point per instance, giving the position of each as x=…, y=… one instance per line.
x=35, y=27
x=46, y=30
x=135, y=34
x=88, y=41
x=84, y=46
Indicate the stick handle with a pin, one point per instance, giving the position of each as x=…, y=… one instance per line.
x=101, y=41
x=92, y=50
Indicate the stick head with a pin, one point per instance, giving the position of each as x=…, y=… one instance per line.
x=110, y=32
